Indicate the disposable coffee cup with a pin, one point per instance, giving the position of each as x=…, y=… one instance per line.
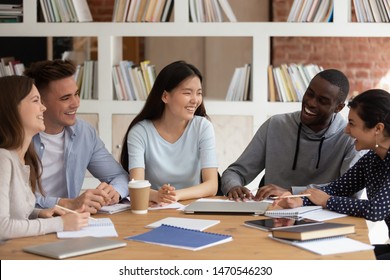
x=139, y=196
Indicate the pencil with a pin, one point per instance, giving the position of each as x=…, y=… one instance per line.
x=289, y=196
x=72, y=211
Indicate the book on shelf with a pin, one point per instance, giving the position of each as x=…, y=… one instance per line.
x=82, y=10
x=64, y=11
x=158, y=11
x=118, y=92
x=195, y=224
x=314, y=231
x=227, y=9
x=88, y=83
x=271, y=85
x=141, y=10
x=133, y=82
x=119, y=86
x=372, y=10
x=125, y=68
x=168, y=8
x=311, y=11
x=149, y=11
x=239, y=87
x=119, y=11
x=166, y=235
x=291, y=81
x=10, y=66
x=102, y=227
x=210, y=11
x=328, y=246
x=293, y=212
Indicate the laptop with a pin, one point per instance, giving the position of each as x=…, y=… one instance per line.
x=222, y=207
x=74, y=247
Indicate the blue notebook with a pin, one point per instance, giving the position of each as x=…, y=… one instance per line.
x=183, y=238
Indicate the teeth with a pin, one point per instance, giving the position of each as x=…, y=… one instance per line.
x=71, y=113
x=40, y=117
x=309, y=112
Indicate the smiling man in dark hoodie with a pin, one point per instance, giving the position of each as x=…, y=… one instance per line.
x=300, y=148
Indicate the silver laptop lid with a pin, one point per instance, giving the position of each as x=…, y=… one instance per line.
x=74, y=247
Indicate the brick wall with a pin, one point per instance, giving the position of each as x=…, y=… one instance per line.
x=101, y=10
x=365, y=61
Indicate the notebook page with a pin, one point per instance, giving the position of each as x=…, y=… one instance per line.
x=328, y=246
x=322, y=215
x=197, y=224
x=103, y=227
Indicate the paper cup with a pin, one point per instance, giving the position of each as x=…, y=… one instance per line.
x=139, y=196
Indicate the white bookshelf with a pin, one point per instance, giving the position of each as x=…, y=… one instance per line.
x=109, y=36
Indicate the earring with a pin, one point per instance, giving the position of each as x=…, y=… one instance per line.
x=376, y=141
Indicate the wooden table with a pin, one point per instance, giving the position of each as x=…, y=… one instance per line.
x=247, y=244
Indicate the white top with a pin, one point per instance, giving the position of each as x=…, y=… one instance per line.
x=53, y=179
x=179, y=163
x=18, y=218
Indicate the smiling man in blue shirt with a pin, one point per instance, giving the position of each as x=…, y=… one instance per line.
x=70, y=146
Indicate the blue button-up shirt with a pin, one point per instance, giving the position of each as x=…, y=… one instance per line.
x=84, y=150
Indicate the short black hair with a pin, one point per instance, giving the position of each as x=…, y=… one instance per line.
x=337, y=78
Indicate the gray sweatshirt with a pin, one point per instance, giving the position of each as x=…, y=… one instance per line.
x=293, y=154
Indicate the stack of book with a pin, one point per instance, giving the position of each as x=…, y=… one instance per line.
x=372, y=10
x=64, y=11
x=288, y=83
x=142, y=10
x=311, y=11
x=86, y=79
x=11, y=11
x=133, y=82
x=322, y=238
x=239, y=87
x=9, y=66
x=211, y=11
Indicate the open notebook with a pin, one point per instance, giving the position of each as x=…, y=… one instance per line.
x=74, y=247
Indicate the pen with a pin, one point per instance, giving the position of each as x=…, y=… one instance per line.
x=71, y=211
x=289, y=196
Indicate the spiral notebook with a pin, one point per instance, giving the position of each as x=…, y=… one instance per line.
x=293, y=212
x=171, y=236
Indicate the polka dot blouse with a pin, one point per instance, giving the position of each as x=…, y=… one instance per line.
x=370, y=172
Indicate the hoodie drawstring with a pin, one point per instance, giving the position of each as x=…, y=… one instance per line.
x=319, y=152
x=297, y=147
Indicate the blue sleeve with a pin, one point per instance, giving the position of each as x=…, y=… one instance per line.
x=104, y=167
x=208, y=155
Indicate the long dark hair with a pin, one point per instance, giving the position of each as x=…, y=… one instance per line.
x=167, y=80
x=13, y=89
x=373, y=106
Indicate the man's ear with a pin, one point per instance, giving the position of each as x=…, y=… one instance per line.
x=339, y=107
